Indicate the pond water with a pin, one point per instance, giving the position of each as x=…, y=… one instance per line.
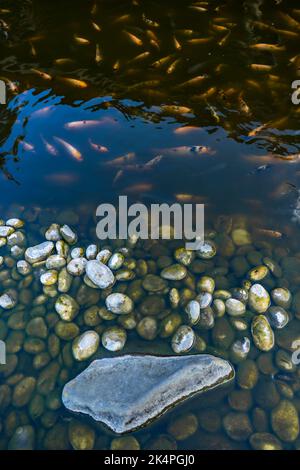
x=163, y=102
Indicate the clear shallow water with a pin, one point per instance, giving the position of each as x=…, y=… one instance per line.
x=61, y=69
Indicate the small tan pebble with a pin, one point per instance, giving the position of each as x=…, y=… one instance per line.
x=68, y=234
x=15, y=223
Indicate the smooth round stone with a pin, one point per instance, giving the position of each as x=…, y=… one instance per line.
x=281, y=297
x=206, y=284
x=99, y=274
x=192, y=310
x=183, y=340
x=55, y=262
x=66, y=330
x=114, y=339
x=175, y=272
x=218, y=307
x=258, y=273
x=169, y=325
x=125, y=443
x=278, y=317
x=239, y=324
x=40, y=252
x=6, y=231
x=241, y=348
x=66, y=307
x=285, y=421
x=103, y=255
x=147, y=328
x=22, y=439
x=241, y=237
x=204, y=299
x=174, y=297
x=183, y=427
x=207, y=250
x=240, y=400
x=237, y=426
x=37, y=328
x=16, y=251
x=259, y=299
x=16, y=238
x=222, y=294
x=184, y=256
x=153, y=283
x=235, y=307
x=77, y=252
x=119, y=304
x=85, y=345
x=125, y=275
x=116, y=261
x=284, y=362
x=7, y=301
x=264, y=441
x=15, y=223
x=3, y=242
x=262, y=333
x=53, y=233
x=81, y=436
x=23, y=267
x=76, y=267
x=62, y=248
x=49, y=278
x=207, y=320
x=91, y=252
x=247, y=374
x=68, y=234
x=240, y=293
x=274, y=268
x=152, y=305
x=64, y=280
x=23, y=392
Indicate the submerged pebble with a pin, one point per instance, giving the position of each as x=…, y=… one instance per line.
x=39, y=252
x=85, y=345
x=119, y=304
x=99, y=274
x=66, y=307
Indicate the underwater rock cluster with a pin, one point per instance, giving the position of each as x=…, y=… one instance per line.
x=64, y=304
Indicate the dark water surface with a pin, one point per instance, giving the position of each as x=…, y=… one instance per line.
x=196, y=99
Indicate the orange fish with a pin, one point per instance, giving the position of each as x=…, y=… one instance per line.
x=50, y=148
x=70, y=149
x=73, y=82
x=79, y=124
x=62, y=178
x=186, y=129
x=98, y=147
x=27, y=146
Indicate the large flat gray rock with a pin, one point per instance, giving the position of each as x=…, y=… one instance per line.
x=127, y=392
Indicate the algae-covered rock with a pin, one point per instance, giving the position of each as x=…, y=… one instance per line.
x=285, y=421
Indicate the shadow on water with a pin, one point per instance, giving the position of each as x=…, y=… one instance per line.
x=196, y=85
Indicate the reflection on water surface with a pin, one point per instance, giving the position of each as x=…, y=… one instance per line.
x=174, y=101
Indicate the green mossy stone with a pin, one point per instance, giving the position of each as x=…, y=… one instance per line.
x=237, y=426
x=264, y=441
x=23, y=391
x=125, y=443
x=247, y=374
x=285, y=421
x=81, y=436
x=183, y=427
x=262, y=333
